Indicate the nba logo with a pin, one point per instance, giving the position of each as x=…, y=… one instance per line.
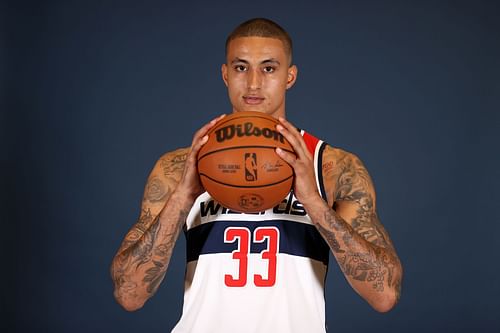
x=250, y=167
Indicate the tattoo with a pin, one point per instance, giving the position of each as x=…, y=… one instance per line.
x=362, y=267
x=144, y=253
x=145, y=221
x=397, y=287
x=174, y=165
x=328, y=166
x=125, y=289
x=330, y=239
x=372, y=264
x=367, y=224
x=155, y=190
x=141, y=253
x=148, y=246
x=162, y=254
x=154, y=277
x=361, y=246
x=351, y=186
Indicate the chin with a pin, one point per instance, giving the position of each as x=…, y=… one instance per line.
x=249, y=108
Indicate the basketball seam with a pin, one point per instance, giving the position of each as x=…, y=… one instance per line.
x=240, y=147
x=246, y=186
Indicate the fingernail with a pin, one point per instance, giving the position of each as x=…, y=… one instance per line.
x=279, y=127
x=279, y=151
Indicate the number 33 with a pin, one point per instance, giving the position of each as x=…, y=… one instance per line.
x=242, y=236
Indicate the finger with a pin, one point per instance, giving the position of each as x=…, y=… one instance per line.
x=201, y=137
x=294, y=141
x=204, y=130
x=287, y=157
x=198, y=144
x=293, y=130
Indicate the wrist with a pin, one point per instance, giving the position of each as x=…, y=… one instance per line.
x=183, y=196
x=314, y=203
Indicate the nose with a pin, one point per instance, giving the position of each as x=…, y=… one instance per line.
x=254, y=79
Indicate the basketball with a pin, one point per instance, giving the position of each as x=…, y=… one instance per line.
x=239, y=167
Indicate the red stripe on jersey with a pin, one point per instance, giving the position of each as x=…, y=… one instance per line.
x=311, y=142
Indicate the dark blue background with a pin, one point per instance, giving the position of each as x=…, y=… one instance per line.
x=94, y=92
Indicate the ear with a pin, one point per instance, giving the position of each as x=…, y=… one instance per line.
x=223, y=70
x=292, y=76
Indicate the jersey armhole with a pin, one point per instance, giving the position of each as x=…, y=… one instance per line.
x=316, y=147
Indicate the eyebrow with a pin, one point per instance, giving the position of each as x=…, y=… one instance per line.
x=267, y=61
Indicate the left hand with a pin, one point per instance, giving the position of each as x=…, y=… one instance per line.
x=305, y=188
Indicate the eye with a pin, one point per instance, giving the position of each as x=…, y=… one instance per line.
x=240, y=68
x=269, y=69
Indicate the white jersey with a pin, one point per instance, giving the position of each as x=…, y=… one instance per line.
x=255, y=273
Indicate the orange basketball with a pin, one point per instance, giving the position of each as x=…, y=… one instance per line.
x=239, y=167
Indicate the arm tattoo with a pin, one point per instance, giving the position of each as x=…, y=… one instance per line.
x=142, y=260
x=156, y=190
x=330, y=239
x=154, y=276
x=370, y=264
x=351, y=186
x=154, y=258
x=162, y=253
x=362, y=247
x=174, y=165
x=144, y=223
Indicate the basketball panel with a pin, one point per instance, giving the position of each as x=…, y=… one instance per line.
x=249, y=167
x=247, y=200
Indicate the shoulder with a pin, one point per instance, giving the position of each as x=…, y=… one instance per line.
x=170, y=165
x=336, y=159
x=164, y=177
x=343, y=172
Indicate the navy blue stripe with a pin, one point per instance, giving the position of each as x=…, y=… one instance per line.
x=296, y=238
x=320, y=171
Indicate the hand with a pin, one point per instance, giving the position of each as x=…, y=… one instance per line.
x=305, y=188
x=190, y=185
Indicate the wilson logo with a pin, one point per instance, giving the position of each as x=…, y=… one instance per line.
x=247, y=129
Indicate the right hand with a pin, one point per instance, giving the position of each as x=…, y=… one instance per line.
x=190, y=185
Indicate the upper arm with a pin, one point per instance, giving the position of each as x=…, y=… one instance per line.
x=160, y=184
x=353, y=195
x=162, y=180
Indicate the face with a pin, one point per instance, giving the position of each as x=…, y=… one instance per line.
x=257, y=75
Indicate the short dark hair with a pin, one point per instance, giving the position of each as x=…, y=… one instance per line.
x=262, y=27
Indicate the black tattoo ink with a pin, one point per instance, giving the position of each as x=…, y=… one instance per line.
x=330, y=239
x=173, y=166
x=155, y=190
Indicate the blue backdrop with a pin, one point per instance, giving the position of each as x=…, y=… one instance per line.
x=94, y=92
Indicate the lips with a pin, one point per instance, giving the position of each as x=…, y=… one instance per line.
x=253, y=100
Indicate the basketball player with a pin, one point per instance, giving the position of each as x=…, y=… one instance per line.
x=260, y=272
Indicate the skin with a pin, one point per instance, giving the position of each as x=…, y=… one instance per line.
x=257, y=75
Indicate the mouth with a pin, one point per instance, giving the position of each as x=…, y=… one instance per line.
x=253, y=100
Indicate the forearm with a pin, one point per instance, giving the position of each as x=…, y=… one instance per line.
x=138, y=269
x=374, y=272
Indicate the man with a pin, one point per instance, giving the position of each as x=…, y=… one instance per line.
x=332, y=207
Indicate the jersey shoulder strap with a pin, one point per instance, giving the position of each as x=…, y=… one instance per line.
x=316, y=148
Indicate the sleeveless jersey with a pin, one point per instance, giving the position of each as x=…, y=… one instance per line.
x=255, y=273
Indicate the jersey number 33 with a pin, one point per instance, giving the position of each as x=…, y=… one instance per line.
x=242, y=236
